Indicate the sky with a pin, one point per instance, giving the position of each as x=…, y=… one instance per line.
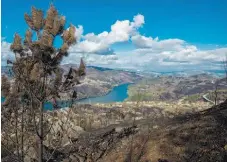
x=145, y=35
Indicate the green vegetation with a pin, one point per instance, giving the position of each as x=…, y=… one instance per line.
x=143, y=92
x=193, y=98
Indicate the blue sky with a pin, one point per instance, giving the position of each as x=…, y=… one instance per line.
x=190, y=32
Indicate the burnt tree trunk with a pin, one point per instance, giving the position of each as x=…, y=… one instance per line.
x=40, y=135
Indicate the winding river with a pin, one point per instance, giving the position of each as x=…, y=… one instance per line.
x=118, y=94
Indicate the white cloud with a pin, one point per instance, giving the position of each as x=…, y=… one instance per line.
x=138, y=20
x=151, y=54
x=92, y=59
x=88, y=47
x=121, y=31
x=5, y=47
x=79, y=32
x=148, y=42
x=174, y=54
x=5, y=52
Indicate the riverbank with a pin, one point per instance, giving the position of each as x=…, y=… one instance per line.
x=117, y=94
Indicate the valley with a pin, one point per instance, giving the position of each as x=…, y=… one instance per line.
x=158, y=113
x=113, y=81
x=98, y=81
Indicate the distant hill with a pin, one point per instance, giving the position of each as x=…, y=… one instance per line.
x=97, y=82
x=173, y=87
x=99, y=68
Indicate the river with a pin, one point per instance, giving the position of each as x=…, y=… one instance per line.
x=118, y=94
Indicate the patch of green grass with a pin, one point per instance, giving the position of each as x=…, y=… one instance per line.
x=193, y=98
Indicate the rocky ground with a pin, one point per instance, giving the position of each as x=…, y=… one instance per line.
x=158, y=136
x=193, y=137
x=136, y=132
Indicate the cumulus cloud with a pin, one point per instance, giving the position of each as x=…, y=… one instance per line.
x=138, y=20
x=148, y=42
x=79, y=32
x=174, y=54
x=5, y=52
x=120, y=31
x=92, y=59
x=187, y=59
x=150, y=54
x=176, y=50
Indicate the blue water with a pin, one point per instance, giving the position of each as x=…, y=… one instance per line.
x=118, y=94
x=47, y=105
